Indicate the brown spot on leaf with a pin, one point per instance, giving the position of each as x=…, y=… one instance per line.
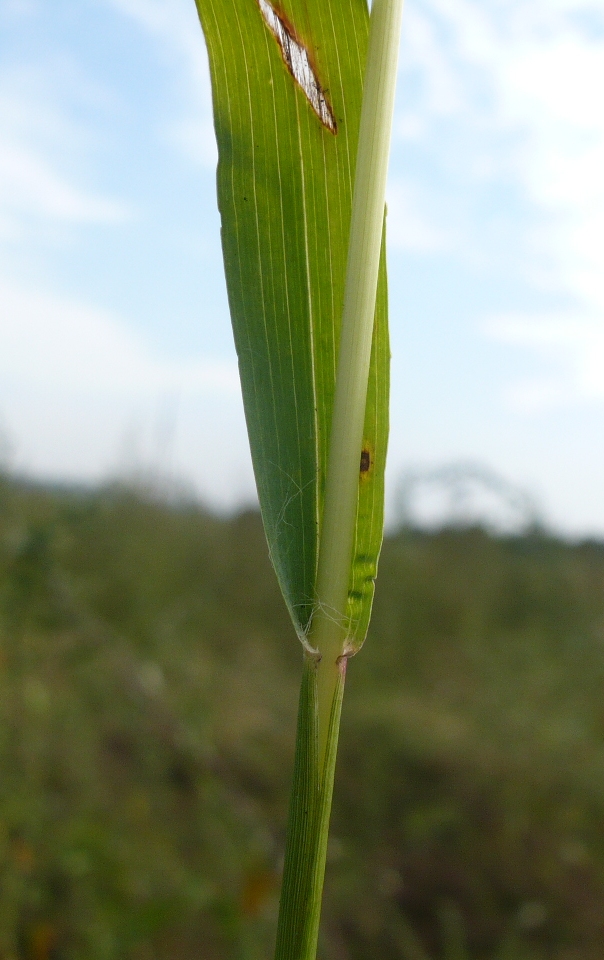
x=365, y=460
x=298, y=63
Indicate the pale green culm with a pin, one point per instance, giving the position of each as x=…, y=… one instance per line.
x=303, y=95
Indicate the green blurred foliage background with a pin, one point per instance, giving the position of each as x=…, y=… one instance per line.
x=148, y=691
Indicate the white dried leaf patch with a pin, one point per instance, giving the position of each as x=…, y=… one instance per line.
x=298, y=64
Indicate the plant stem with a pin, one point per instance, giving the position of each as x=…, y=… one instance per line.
x=308, y=826
x=328, y=632
x=323, y=681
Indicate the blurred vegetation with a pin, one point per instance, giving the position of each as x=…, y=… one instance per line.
x=148, y=688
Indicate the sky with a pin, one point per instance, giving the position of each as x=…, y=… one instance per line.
x=116, y=356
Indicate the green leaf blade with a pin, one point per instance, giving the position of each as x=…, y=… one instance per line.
x=285, y=186
x=370, y=511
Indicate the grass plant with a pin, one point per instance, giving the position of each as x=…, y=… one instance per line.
x=303, y=103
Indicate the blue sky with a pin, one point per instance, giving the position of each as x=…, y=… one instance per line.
x=115, y=345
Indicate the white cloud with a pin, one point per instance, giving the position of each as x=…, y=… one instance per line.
x=534, y=396
x=569, y=347
x=424, y=52
x=39, y=149
x=52, y=343
x=523, y=81
x=409, y=227
x=174, y=23
x=556, y=93
x=195, y=139
x=510, y=94
x=17, y=8
x=29, y=185
x=83, y=398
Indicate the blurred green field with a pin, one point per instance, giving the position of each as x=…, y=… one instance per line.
x=148, y=686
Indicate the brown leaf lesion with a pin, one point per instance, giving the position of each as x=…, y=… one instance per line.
x=366, y=464
x=297, y=61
